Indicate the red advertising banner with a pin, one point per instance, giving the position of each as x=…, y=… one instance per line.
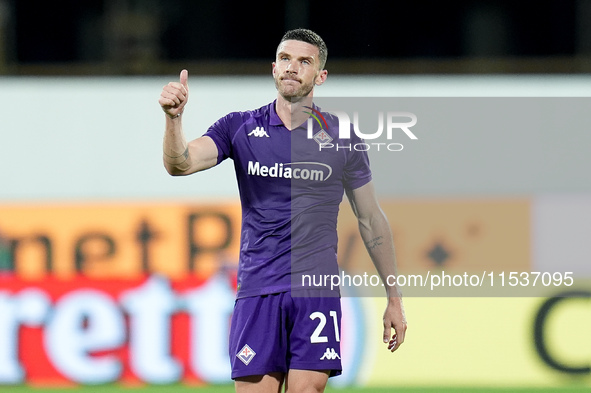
x=89, y=331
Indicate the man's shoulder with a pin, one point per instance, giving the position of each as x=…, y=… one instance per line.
x=237, y=120
x=246, y=115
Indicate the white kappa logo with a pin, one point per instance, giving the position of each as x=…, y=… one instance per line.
x=259, y=132
x=330, y=354
x=246, y=354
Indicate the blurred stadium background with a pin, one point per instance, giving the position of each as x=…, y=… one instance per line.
x=114, y=274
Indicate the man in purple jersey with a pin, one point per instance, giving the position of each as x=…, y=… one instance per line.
x=290, y=191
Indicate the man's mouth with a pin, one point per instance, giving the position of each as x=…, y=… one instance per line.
x=290, y=78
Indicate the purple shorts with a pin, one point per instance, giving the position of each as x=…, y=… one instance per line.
x=278, y=332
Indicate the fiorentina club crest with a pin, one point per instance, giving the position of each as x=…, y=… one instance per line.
x=322, y=137
x=246, y=354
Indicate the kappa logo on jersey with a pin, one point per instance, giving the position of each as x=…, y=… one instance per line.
x=259, y=132
x=330, y=354
x=246, y=354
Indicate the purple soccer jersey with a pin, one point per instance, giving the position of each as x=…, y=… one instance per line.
x=290, y=192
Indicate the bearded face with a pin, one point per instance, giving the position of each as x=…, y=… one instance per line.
x=296, y=69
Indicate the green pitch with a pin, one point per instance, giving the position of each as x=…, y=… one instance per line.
x=230, y=389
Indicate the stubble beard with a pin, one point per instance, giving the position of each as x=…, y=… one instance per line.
x=292, y=93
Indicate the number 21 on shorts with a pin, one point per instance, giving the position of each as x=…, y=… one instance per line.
x=316, y=335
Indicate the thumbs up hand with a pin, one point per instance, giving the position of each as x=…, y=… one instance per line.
x=175, y=95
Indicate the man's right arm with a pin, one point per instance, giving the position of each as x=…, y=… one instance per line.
x=182, y=158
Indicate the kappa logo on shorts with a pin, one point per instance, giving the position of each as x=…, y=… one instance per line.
x=259, y=132
x=330, y=354
x=246, y=354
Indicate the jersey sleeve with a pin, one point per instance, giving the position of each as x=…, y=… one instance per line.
x=357, y=171
x=221, y=132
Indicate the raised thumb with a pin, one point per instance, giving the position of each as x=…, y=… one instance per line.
x=184, y=78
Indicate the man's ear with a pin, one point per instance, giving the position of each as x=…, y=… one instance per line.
x=321, y=77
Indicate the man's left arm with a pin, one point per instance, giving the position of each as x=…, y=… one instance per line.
x=377, y=236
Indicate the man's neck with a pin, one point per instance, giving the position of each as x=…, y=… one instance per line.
x=293, y=113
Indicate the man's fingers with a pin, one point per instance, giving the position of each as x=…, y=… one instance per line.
x=387, y=331
x=398, y=331
x=397, y=338
x=393, y=344
x=165, y=102
x=170, y=99
x=401, y=333
x=176, y=88
x=174, y=91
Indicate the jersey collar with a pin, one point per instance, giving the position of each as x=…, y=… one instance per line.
x=274, y=119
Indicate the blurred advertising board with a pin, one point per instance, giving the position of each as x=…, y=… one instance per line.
x=137, y=293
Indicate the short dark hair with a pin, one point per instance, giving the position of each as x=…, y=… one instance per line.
x=310, y=37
